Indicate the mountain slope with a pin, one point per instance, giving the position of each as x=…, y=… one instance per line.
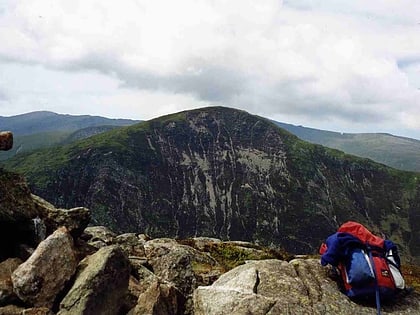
x=225, y=173
x=398, y=152
x=43, y=129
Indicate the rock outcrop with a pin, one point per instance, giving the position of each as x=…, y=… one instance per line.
x=276, y=287
x=17, y=211
x=75, y=219
x=101, y=283
x=26, y=219
x=169, y=279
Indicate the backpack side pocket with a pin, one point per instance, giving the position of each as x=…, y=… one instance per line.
x=358, y=269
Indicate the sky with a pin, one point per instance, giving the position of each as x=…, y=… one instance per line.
x=347, y=66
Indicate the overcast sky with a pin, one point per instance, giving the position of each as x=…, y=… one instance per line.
x=350, y=66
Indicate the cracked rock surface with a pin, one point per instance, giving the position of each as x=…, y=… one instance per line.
x=270, y=287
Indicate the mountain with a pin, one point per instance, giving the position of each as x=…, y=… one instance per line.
x=398, y=152
x=224, y=173
x=44, y=129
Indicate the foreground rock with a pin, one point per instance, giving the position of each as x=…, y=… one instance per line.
x=39, y=279
x=278, y=287
x=26, y=219
x=182, y=265
x=101, y=284
x=17, y=210
x=160, y=298
x=6, y=285
x=75, y=219
x=6, y=140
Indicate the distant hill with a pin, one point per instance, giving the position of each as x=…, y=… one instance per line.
x=44, y=121
x=44, y=129
x=398, y=152
x=221, y=172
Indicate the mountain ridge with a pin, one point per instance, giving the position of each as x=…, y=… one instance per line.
x=395, y=151
x=43, y=121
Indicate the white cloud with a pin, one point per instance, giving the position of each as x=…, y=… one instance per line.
x=347, y=63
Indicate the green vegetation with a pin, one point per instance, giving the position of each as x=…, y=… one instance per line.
x=230, y=254
x=22, y=144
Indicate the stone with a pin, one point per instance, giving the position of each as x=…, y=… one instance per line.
x=131, y=244
x=275, y=287
x=159, y=299
x=6, y=140
x=180, y=264
x=144, y=276
x=40, y=278
x=7, y=295
x=100, y=284
x=101, y=234
x=37, y=311
x=11, y=310
x=202, y=242
x=140, y=280
x=75, y=219
x=17, y=211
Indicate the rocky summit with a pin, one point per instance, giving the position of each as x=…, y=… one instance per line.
x=223, y=173
x=62, y=266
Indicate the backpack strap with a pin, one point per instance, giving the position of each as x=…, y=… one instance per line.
x=377, y=296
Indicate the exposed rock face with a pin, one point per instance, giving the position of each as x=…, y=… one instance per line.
x=39, y=279
x=278, y=287
x=6, y=140
x=100, y=285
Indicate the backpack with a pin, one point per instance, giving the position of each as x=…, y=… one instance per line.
x=369, y=265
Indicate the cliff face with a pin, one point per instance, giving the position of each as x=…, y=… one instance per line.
x=223, y=173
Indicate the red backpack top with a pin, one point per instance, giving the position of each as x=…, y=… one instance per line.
x=362, y=233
